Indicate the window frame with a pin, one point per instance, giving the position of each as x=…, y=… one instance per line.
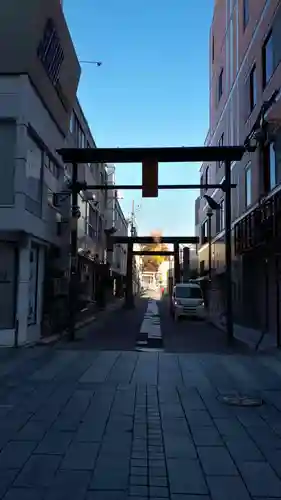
x=246, y=14
x=253, y=87
x=248, y=169
x=268, y=40
x=220, y=85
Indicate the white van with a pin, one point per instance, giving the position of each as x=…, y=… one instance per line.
x=187, y=300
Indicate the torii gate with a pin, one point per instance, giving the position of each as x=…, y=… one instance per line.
x=149, y=158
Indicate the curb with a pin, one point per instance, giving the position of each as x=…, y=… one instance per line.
x=256, y=346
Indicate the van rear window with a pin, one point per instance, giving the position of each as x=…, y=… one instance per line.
x=188, y=292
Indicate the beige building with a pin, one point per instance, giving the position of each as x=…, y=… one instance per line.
x=245, y=70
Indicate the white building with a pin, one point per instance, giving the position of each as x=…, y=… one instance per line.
x=38, y=84
x=117, y=224
x=93, y=202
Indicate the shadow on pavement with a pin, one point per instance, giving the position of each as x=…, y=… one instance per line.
x=115, y=330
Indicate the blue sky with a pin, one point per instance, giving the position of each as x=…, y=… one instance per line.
x=152, y=90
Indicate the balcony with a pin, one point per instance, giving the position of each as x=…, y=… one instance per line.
x=261, y=227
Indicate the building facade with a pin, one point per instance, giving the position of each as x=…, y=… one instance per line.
x=39, y=114
x=38, y=83
x=245, y=70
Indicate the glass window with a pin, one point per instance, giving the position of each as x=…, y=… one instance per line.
x=207, y=180
x=246, y=13
x=34, y=165
x=272, y=167
x=220, y=85
x=220, y=144
x=221, y=212
x=253, y=87
x=188, y=292
x=248, y=185
x=267, y=59
x=72, y=123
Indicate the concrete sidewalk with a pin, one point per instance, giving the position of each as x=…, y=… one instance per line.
x=112, y=425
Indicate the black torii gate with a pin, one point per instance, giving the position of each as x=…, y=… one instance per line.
x=130, y=241
x=148, y=157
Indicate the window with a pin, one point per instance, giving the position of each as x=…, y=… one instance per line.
x=272, y=167
x=188, y=292
x=220, y=217
x=201, y=182
x=253, y=88
x=220, y=85
x=221, y=212
x=34, y=177
x=204, y=232
x=246, y=13
x=269, y=168
x=50, y=52
x=220, y=144
x=267, y=59
x=248, y=185
x=207, y=180
x=72, y=123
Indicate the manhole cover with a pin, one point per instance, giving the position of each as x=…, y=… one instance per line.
x=234, y=400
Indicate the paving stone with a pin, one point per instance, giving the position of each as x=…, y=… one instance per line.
x=200, y=418
x=15, y=454
x=274, y=459
x=157, y=471
x=7, y=477
x=243, y=450
x=158, y=491
x=39, y=471
x=206, y=436
x=24, y=494
x=260, y=479
x=54, y=443
x=80, y=456
x=179, y=447
x=158, y=481
x=141, y=491
x=32, y=431
x=190, y=497
x=156, y=463
x=230, y=487
x=69, y=484
x=139, y=480
x=230, y=428
x=137, y=462
x=110, y=474
x=107, y=495
x=139, y=471
x=185, y=476
x=217, y=461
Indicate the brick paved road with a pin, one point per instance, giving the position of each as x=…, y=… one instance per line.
x=107, y=425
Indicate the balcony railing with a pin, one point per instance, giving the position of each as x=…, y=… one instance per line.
x=260, y=227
